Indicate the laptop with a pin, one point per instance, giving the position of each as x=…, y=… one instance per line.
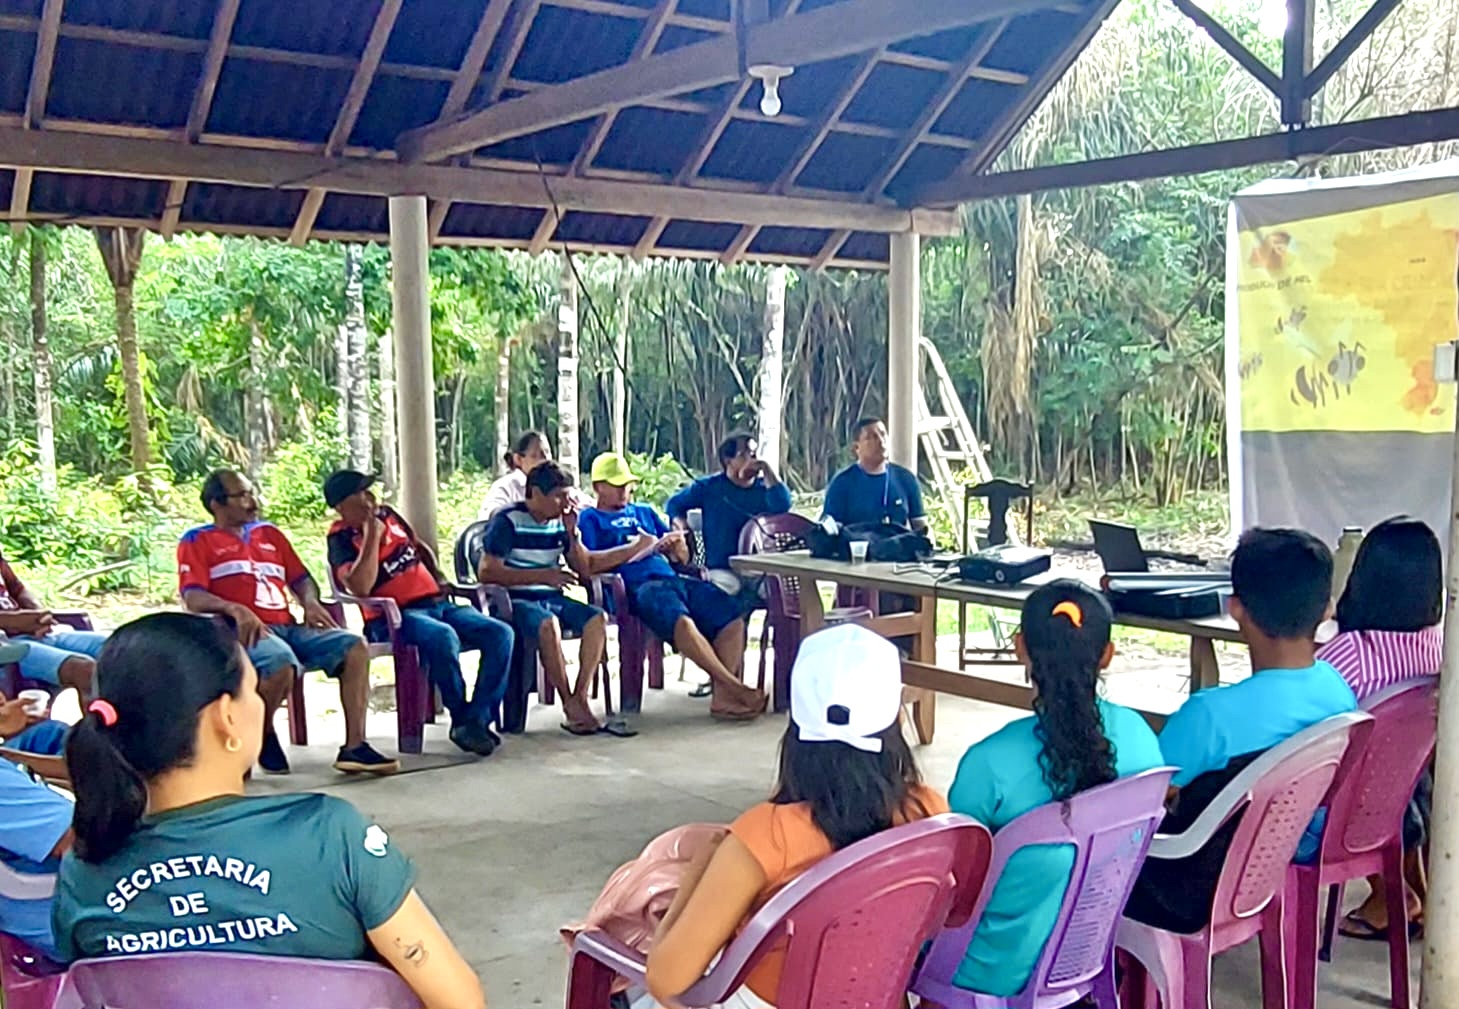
x=1118, y=547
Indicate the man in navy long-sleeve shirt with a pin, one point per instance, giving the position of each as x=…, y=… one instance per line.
x=747, y=486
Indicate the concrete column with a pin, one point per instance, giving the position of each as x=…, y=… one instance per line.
x=414, y=369
x=904, y=315
x=567, y=372
x=772, y=368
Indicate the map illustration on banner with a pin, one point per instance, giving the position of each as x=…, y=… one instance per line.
x=1339, y=316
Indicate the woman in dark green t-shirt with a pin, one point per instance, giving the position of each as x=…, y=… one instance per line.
x=171, y=856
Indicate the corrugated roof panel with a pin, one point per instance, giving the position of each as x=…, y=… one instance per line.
x=698, y=236
x=25, y=8
x=847, y=163
x=394, y=105
x=210, y=203
x=894, y=96
x=1031, y=40
x=950, y=45
x=16, y=51
x=867, y=246
x=434, y=33
x=7, y=185
x=348, y=212
x=650, y=140
x=600, y=229
x=809, y=90
x=975, y=107
x=257, y=99
x=108, y=83
x=485, y=220
x=170, y=17
x=717, y=9
x=565, y=43
x=928, y=163
x=312, y=26
x=753, y=151
x=789, y=241
x=557, y=146
x=675, y=36
x=57, y=193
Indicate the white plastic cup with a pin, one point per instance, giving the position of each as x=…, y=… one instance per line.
x=858, y=551
x=36, y=702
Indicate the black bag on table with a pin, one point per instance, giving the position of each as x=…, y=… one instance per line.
x=884, y=542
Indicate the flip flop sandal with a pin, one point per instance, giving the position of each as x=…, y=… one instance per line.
x=702, y=691
x=579, y=730
x=618, y=727
x=1354, y=926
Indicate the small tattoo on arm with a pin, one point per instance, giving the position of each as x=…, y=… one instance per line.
x=415, y=953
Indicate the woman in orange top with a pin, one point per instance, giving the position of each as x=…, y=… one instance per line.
x=846, y=773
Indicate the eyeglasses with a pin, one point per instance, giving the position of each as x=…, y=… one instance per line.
x=241, y=494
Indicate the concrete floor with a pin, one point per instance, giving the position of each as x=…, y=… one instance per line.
x=512, y=847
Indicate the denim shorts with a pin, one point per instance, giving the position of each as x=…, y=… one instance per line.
x=303, y=648
x=47, y=654
x=529, y=613
x=660, y=602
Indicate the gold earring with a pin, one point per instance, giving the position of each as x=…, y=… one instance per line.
x=233, y=745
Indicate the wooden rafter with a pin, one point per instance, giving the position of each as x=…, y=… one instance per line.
x=649, y=240
x=219, y=37
x=545, y=228
x=91, y=154
x=502, y=73
x=794, y=40
x=44, y=61
x=1348, y=44
x=20, y=199
x=1233, y=46
x=739, y=244
x=830, y=249
x=648, y=38
x=349, y=110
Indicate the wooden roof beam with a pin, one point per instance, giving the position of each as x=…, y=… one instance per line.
x=1233, y=46
x=823, y=34
x=202, y=106
x=649, y=240
x=543, y=235
x=648, y=38
x=828, y=251
x=90, y=154
x=1348, y=44
x=349, y=110
x=20, y=199
x=47, y=33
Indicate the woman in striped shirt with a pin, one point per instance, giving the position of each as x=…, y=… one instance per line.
x=1388, y=631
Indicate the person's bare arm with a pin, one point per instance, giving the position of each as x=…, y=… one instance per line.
x=494, y=571
x=366, y=570
x=919, y=525
x=33, y=621
x=250, y=628
x=704, y=917
x=414, y=944
x=602, y=561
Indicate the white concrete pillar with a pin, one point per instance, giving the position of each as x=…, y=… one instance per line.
x=567, y=372
x=904, y=316
x=772, y=368
x=414, y=369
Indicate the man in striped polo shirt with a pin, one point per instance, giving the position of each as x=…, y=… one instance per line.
x=526, y=546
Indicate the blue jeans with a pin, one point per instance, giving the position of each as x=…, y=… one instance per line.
x=47, y=654
x=440, y=630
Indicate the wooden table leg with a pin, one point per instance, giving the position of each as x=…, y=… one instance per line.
x=1205, y=670
x=924, y=649
x=812, y=610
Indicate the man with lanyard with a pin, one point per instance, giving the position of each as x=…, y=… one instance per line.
x=239, y=567
x=747, y=486
x=873, y=491
x=373, y=551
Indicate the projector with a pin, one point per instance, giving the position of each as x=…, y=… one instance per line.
x=1004, y=565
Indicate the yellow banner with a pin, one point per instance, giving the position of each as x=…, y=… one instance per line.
x=1339, y=316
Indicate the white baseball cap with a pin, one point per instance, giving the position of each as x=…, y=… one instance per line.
x=846, y=687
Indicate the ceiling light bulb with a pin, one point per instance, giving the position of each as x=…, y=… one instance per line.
x=770, y=75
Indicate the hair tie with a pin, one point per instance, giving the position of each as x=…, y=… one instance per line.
x=104, y=709
x=1071, y=610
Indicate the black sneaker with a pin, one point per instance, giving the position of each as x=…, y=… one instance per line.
x=271, y=758
x=473, y=739
x=364, y=759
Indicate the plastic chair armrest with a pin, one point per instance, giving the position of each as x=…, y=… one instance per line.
x=1195, y=837
x=497, y=599
x=609, y=586
x=78, y=620
x=389, y=607
x=605, y=949
x=478, y=596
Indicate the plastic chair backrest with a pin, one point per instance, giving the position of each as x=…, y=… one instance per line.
x=1365, y=809
x=1109, y=829
x=231, y=981
x=470, y=545
x=854, y=924
x=27, y=979
x=1280, y=791
x=778, y=534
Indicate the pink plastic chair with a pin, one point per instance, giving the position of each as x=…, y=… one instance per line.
x=1110, y=829
x=1276, y=796
x=851, y=927
x=231, y=981
x=637, y=645
x=776, y=534
x=1364, y=834
x=27, y=979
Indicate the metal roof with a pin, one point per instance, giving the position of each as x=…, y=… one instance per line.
x=127, y=111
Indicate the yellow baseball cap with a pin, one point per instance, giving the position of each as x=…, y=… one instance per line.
x=612, y=468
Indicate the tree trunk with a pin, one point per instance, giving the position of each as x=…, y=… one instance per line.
x=567, y=370
x=619, y=419
x=255, y=409
x=503, y=399
x=121, y=251
x=45, y=419
x=457, y=395
x=359, y=362
x=771, y=380
x=389, y=453
x=342, y=386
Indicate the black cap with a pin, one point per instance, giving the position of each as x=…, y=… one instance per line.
x=345, y=483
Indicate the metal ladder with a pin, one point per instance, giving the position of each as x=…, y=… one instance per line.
x=946, y=435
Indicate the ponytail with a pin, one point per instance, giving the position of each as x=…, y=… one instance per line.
x=153, y=678
x=1066, y=629
x=522, y=446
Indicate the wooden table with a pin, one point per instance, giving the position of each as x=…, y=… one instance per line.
x=929, y=586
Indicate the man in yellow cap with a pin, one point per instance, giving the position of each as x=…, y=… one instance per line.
x=702, y=621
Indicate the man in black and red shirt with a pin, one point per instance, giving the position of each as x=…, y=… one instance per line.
x=374, y=552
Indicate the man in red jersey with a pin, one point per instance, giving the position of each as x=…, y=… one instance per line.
x=240, y=567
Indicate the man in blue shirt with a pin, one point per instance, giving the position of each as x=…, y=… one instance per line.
x=700, y=620
x=747, y=486
x=1281, y=582
x=872, y=490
